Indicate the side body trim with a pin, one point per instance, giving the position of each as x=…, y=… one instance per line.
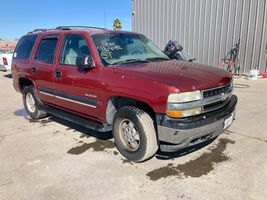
x=68, y=97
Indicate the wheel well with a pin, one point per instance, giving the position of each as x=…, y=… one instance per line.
x=116, y=103
x=24, y=82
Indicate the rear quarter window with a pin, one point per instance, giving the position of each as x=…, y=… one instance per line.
x=24, y=47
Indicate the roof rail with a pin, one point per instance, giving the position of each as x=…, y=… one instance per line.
x=40, y=30
x=64, y=28
x=77, y=27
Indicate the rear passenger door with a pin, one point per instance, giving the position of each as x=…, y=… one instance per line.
x=42, y=67
x=75, y=89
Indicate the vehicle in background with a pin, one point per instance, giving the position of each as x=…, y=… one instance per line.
x=5, y=61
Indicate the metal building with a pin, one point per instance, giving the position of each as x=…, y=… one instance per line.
x=207, y=28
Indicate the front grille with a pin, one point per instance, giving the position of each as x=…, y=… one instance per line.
x=217, y=91
x=215, y=106
x=210, y=106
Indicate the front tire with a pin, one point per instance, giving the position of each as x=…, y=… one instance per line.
x=134, y=134
x=32, y=103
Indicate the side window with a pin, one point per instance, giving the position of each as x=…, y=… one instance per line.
x=24, y=47
x=46, y=50
x=74, y=46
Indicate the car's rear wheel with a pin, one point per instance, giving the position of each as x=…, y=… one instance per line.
x=32, y=103
x=134, y=134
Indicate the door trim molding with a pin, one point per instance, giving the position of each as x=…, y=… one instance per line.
x=69, y=97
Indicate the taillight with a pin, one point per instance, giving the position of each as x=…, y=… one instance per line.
x=5, y=61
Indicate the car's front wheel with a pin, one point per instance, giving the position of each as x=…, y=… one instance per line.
x=134, y=134
x=32, y=103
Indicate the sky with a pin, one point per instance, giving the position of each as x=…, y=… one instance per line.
x=17, y=17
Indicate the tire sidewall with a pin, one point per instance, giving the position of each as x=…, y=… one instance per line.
x=137, y=155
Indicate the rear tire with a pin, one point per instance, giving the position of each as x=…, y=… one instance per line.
x=32, y=103
x=134, y=134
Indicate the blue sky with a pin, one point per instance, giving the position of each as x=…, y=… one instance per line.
x=17, y=17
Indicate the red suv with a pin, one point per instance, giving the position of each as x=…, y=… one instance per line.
x=121, y=81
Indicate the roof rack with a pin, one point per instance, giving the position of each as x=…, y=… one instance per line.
x=77, y=27
x=40, y=30
x=64, y=28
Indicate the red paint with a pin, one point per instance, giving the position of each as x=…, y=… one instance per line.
x=7, y=47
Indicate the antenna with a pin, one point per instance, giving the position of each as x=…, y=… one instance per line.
x=105, y=18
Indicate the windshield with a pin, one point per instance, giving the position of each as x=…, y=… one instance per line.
x=123, y=48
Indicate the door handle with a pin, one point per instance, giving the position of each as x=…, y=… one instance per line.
x=34, y=70
x=57, y=74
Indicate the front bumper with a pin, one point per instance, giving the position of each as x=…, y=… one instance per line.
x=177, y=134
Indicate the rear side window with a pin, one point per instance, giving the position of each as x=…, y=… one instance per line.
x=24, y=47
x=46, y=50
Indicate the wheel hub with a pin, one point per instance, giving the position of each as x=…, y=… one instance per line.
x=130, y=135
x=30, y=103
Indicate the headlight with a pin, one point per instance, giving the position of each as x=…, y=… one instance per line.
x=184, y=113
x=184, y=97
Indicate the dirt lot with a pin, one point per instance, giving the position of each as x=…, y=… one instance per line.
x=53, y=159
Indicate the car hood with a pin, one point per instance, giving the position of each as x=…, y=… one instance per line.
x=185, y=76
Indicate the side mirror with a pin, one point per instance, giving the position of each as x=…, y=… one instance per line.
x=85, y=62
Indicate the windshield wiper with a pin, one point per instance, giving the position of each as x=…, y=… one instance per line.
x=127, y=61
x=157, y=58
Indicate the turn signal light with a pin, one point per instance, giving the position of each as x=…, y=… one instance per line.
x=184, y=113
x=174, y=113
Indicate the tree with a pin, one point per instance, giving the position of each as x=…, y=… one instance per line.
x=116, y=24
